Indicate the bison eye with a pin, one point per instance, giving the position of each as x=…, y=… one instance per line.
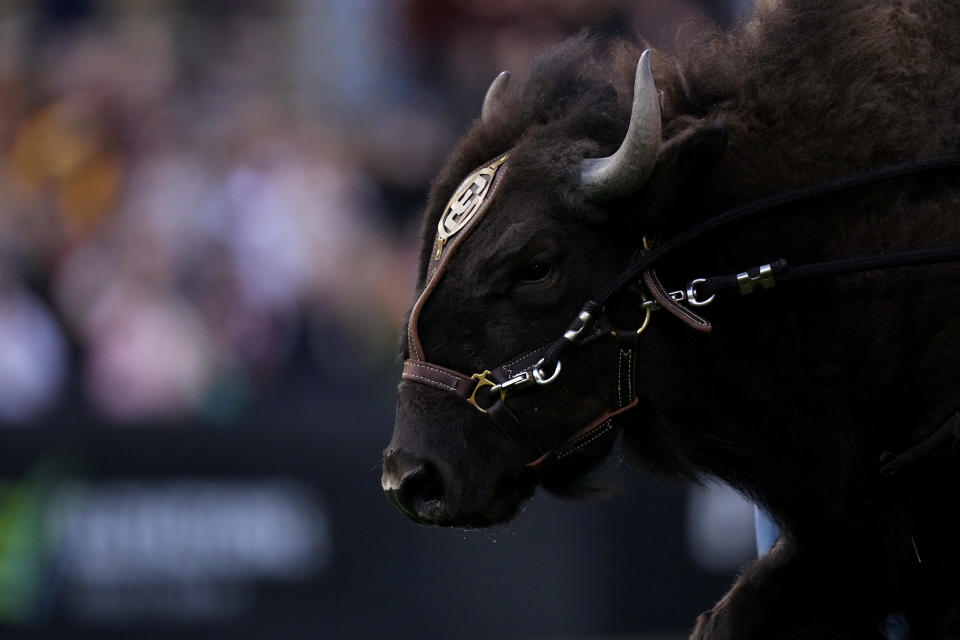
x=535, y=272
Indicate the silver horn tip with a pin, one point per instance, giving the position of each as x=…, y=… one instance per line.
x=494, y=94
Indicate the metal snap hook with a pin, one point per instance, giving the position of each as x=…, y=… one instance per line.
x=692, y=294
x=519, y=381
x=539, y=376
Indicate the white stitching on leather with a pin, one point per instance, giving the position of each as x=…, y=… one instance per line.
x=427, y=381
x=509, y=366
x=628, y=355
x=429, y=368
x=576, y=444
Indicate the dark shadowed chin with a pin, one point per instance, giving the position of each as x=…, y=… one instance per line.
x=433, y=513
x=503, y=509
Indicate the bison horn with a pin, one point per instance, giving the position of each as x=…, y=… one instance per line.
x=494, y=93
x=627, y=170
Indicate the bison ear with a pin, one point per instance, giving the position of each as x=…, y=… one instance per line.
x=686, y=159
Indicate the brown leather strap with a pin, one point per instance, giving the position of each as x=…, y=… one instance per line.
x=438, y=377
x=660, y=294
x=604, y=425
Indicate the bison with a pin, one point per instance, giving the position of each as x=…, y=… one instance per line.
x=831, y=402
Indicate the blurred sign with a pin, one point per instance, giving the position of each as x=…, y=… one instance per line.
x=181, y=550
x=187, y=549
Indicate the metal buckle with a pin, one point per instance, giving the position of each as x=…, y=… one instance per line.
x=482, y=381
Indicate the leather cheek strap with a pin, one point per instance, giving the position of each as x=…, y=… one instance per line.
x=602, y=426
x=626, y=401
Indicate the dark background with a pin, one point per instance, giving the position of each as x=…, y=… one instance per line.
x=207, y=242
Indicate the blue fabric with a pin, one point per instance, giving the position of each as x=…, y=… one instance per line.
x=766, y=531
x=896, y=627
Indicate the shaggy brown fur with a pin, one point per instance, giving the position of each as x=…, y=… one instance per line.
x=799, y=391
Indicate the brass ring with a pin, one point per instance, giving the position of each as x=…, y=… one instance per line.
x=646, y=321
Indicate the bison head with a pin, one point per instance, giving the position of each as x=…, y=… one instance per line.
x=536, y=211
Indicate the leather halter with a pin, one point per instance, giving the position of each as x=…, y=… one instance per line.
x=487, y=391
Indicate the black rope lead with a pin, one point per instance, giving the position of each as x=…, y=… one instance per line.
x=769, y=203
x=781, y=271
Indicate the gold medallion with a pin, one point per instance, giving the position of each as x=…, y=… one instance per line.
x=466, y=201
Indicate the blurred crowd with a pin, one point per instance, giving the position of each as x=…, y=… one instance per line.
x=194, y=195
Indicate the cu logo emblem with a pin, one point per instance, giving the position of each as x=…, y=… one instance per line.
x=466, y=201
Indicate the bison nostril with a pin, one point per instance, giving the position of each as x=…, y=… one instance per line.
x=417, y=493
x=422, y=484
